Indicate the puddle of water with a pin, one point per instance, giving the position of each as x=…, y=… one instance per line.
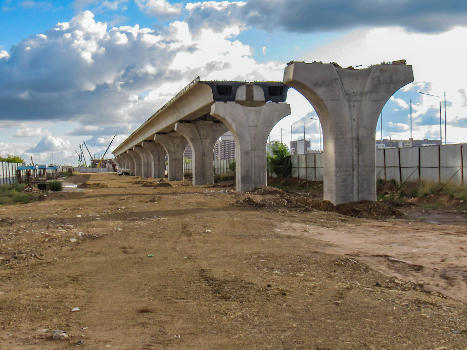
x=68, y=185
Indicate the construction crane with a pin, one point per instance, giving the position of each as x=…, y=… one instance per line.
x=99, y=165
x=84, y=143
x=82, y=155
x=79, y=158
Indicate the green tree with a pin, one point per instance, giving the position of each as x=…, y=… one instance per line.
x=279, y=162
x=11, y=159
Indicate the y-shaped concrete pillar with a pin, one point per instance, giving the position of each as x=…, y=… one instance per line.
x=146, y=162
x=130, y=155
x=251, y=127
x=138, y=161
x=157, y=158
x=174, y=145
x=348, y=103
x=202, y=135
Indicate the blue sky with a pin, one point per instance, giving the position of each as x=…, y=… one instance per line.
x=84, y=69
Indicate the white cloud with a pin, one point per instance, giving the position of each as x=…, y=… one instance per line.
x=400, y=102
x=4, y=55
x=160, y=8
x=398, y=126
x=50, y=143
x=263, y=50
x=29, y=132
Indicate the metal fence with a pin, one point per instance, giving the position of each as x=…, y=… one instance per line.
x=445, y=163
x=220, y=166
x=8, y=172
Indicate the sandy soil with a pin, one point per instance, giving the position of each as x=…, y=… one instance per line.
x=153, y=266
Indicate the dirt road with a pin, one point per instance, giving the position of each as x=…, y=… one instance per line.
x=155, y=266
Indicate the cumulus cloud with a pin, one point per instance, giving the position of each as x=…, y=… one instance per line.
x=110, y=80
x=86, y=130
x=400, y=102
x=50, y=143
x=215, y=15
x=4, y=54
x=110, y=68
x=28, y=132
x=161, y=9
x=325, y=15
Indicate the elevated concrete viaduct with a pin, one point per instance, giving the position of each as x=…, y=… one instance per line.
x=187, y=119
x=348, y=103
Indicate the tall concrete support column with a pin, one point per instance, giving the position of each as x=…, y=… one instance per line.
x=202, y=135
x=131, y=161
x=157, y=153
x=348, y=103
x=146, y=162
x=138, y=171
x=127, y=162
x=251, y=127
x=174, y=144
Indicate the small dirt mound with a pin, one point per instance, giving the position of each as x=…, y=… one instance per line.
x=367, y=209
x=156, y=184
x=92, y=185
x=268, y=190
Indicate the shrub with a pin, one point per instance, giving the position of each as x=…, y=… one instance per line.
x=54, y=185
x=280, y=163
x=232, y=165
x=11, y=194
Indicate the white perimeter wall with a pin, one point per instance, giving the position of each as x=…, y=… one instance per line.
x=444, y=163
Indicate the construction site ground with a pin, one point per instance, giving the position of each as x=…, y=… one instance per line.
x=127, y=263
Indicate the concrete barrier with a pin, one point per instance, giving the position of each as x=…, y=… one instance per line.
x=445, y=163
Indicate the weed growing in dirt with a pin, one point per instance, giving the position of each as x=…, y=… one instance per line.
x=11, y=194
x=55, y=185
x=434, y=194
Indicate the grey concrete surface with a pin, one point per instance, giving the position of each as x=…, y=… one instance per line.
x=133, y=157
x=157, y=158
x=174, y=144
x=250, y=127
x=138, y=161
x=146, y=161
x=348, y=103
x=201, y=135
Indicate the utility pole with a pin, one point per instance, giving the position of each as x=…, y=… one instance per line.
x=440, y=127
x=445, y=128
x=381, y=127
x=281, y=135
x=411, y=118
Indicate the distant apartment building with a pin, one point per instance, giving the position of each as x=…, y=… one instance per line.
x=388, y=143
x=225, y=147
x=299, y=146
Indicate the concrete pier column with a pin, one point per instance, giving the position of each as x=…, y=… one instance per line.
x=157, y=157
x=126, y=161
x=132, y=157
x=174, y=144
x=138, y=161
x=250, y=127
x=146, y=162
x=348, y=103
x=202, y=135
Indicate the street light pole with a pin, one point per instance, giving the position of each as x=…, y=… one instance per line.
x=440, y=128
x=445, y=129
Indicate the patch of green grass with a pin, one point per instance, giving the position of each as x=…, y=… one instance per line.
x=11, y=194
x=55, y=185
